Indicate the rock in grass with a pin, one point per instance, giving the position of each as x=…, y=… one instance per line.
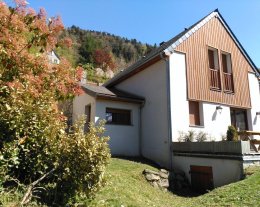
x=147, y=171
x=164, y=175
x=164, y=171
x=152, y=177
x=163, y=183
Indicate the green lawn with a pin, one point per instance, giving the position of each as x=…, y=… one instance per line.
x=128, y=187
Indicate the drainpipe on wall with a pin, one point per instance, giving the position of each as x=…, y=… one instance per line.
x=140, y=130
x=167, y=62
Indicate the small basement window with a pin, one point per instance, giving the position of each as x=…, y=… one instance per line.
x=118, y=116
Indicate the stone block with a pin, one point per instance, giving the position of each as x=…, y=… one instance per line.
x=152, y=177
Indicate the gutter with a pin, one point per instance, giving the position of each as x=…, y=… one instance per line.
x=167, y=62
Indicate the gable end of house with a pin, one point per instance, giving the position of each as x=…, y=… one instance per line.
x=169, y=47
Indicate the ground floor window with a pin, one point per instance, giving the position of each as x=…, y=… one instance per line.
x=118, y=116
x=194, y=113
x=239, y=118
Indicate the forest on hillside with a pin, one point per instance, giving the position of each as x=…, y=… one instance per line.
x=94, y=49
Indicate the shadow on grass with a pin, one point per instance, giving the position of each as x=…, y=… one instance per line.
x=141, y=160
x=186, y=192
x=174, y=189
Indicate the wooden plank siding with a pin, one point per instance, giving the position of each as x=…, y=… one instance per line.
x=213, y=34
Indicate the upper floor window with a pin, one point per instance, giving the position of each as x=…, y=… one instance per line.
x=118, y=116
x=213, y=58
x=215, y=82
x=227, y=72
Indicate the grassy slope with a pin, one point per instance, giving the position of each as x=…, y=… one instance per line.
x=243, y=193
x=127, y=187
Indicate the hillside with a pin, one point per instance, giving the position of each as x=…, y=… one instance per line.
x=127, y=187
x=102, y=49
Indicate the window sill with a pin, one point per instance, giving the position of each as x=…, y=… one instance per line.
x=197, y=126
x=113, y=124
x=229, y=92
x=215, y=89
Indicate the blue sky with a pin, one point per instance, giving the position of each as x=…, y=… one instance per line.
x=154, y=21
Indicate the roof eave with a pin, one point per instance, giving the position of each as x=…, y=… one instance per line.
x=139, y=67
x=116, y=98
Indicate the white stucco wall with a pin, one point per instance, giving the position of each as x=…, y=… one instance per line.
x=213, y=123
x=151, y=84
x=254, y=120
x=124, y=139
x=224, y=171
x=79, y=104
x=178, y=90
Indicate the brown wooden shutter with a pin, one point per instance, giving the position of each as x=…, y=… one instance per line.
x=211, y=59
x=194, y=113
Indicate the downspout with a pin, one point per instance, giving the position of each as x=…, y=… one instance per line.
x=167, y=62
x=140, y=130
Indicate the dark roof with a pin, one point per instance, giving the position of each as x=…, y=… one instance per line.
x=175, y=40
x=112, y=93
x=56, y=54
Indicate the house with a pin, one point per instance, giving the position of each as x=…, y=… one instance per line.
x=53, y=57
x=200, y=80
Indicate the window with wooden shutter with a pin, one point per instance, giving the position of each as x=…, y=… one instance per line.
x=211, y=59
x=215, y=81
x=194, y=113
x=224, y=63
x=227, y=72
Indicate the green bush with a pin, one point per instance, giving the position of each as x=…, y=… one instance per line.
x=201, y=136
x=232, y=134
x=78, y=162
x=189, y=137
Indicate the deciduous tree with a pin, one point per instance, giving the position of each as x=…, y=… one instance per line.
x=33, y=141
x=103, y=59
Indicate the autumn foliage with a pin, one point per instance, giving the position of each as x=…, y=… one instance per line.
x=33, y=140
x=104, y=59
x=25, y=41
